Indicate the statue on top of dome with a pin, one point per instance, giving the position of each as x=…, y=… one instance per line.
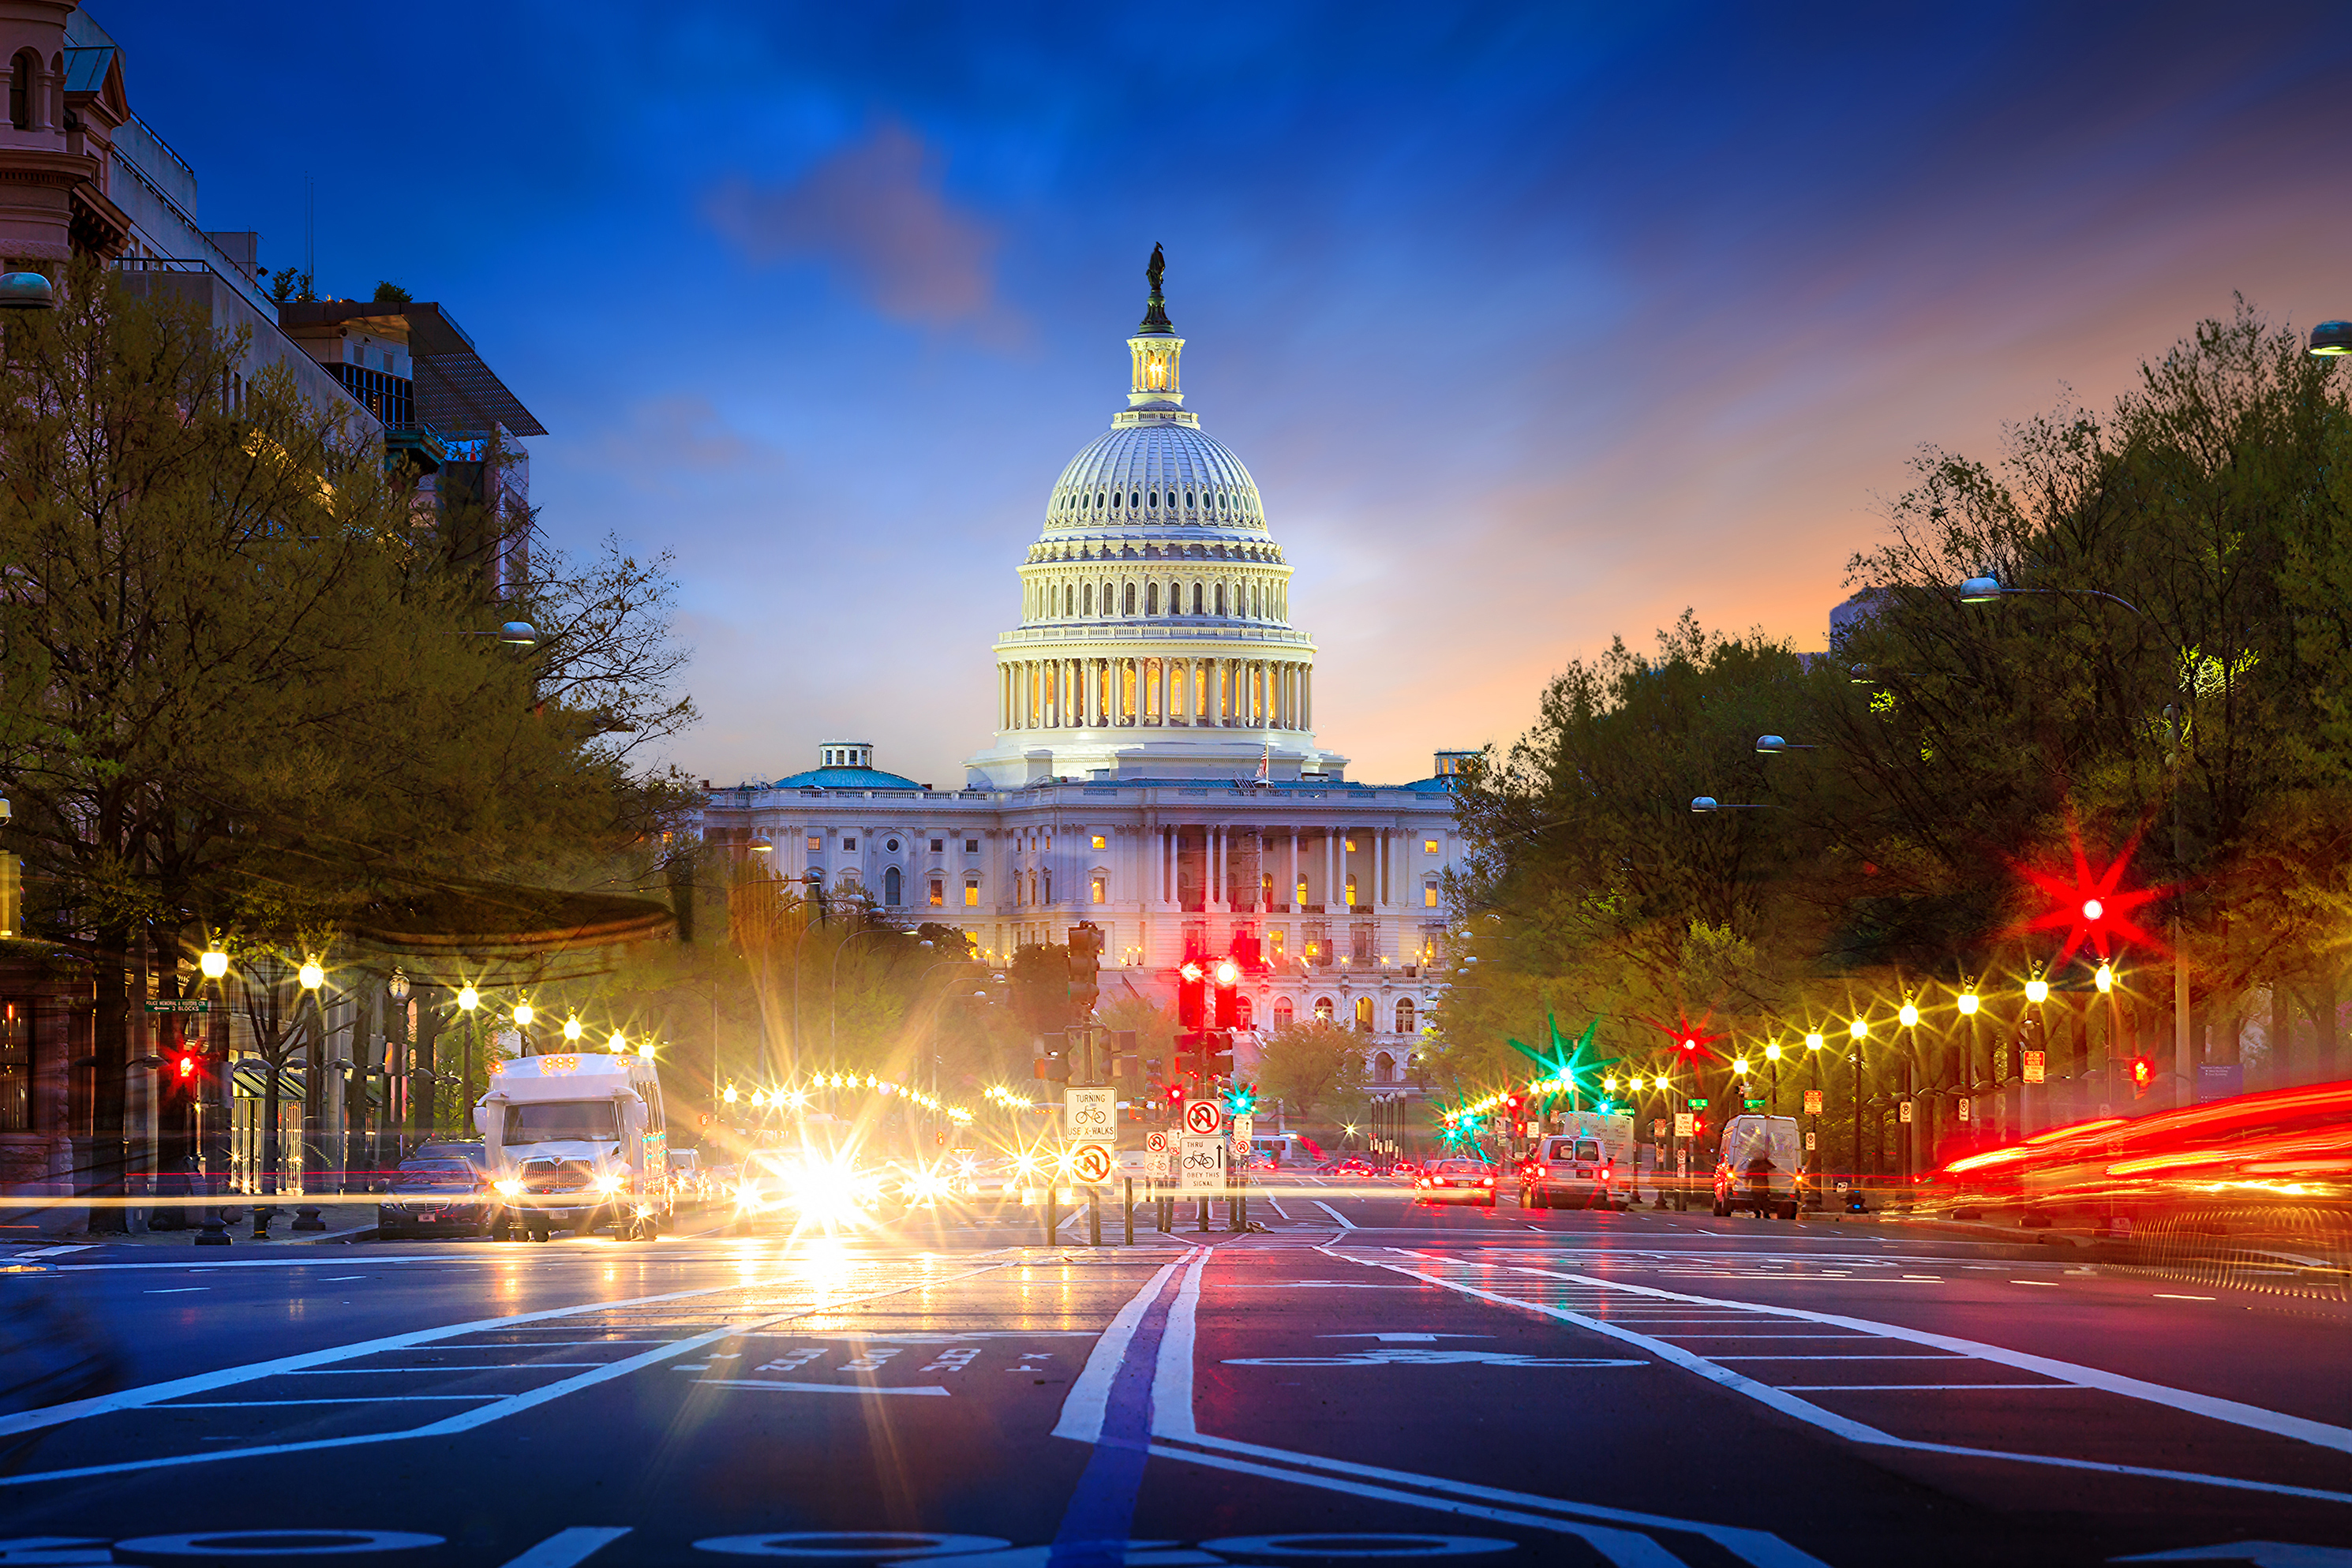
x=1155, y=317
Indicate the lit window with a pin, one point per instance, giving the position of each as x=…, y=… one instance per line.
x=1352, y=892
x=1322, y=1009
x=1276, y=940
x=939, y=891
x=1302, y=892
x=1429, y=895
x=1351, y=844
x=815, y=844
x=1100, y=842
x=1429, y=846
x=971, y=892
x=1098, y=890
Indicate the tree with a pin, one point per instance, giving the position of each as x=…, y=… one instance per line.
x=1315, y=1068
x=240, y=694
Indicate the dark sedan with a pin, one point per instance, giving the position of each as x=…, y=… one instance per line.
x=435, y=1198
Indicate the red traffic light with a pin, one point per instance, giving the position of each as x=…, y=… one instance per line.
x=1228, y=972
x=187, y=1066
x=2142, y=1074
x=1689, y=1044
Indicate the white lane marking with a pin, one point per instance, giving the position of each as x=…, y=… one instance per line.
x=1171, y=1379
x=2169, y=1296
x=1890, y=1357
x=1278, y=1205
x=2237, y=1413
x=176, y=1290
x=1813, y=1414
x=775, y=1387
x=1082, y=1412
x=511, y=1404
x=491, y=1366
x=1911, y=1387
x=2046, y=1284
x=340, y=1279
x=53, y=1251
x=1345, y=1223
x=373, y=1399
x=566, y=1548
x=1623, y=1549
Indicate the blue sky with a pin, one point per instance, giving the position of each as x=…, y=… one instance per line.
x=1535, y=324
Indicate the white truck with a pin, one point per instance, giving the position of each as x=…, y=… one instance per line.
x=1759, y=1165
x=577, y=1141
x=1588, y=1164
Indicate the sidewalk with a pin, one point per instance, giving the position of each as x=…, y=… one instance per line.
x=346, y=1219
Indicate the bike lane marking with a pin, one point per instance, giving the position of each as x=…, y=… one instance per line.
x=1855, y=1431
x=505, y=1406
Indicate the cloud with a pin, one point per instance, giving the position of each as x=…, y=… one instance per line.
x=874, y=213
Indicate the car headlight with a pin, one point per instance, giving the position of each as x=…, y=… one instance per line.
x=608, y=1185
x=511, y=1188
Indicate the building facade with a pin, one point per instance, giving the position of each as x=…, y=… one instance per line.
x=1154, y=768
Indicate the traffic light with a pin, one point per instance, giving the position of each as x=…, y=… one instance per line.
x=1689, y=1046
x=185, y=1064
x=1086, y=960
x=1054, y=1069
x=1192, y=996
x=1229, y=994
x=1241, y=1098
x=2143, y=1075
x=1216, y=1053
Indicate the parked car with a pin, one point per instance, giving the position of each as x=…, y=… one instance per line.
x=435, y=1197
x=1456, y=1181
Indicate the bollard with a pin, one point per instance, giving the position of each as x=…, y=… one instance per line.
x=262, y=1214
x=1052, y=1192
x=1094, y=1216
x=306, y=1217
x=1129, y=1208
x=214, y=1233
x=1204, y=1215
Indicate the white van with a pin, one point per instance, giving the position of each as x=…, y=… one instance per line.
x=1588, y=1164
x=1745, y=1140
x=578, y=1141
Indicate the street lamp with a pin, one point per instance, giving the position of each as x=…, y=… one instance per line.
x=1702, y=804
x=213, y=963
x=2327, y=340
x=1773, y=745
x=573, y=1030
x=31, y=291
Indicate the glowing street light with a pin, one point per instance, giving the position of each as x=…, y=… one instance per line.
x=1909, y=1015
x=573, y=1030
x=619, y=1044
x=2037, y=990
x=468, y=999
x=1968, y=1004
x=1814, y=1041
x=311, y=975
x=523, y=1014
x=1859, y=1029
x=214, y=963
x=1772, y=1051
x=729, y=1094
x=2104, y=980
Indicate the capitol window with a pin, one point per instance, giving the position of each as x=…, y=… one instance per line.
x=1090, y=599
x=971, y=892
x=1130, y=599
x=1098, y=889
x=1101, y=843
x=939, y=891
x=1151, y=599
x=849, y=843
x=1404, y=1014
x=1322, y=1009
x=971, y=846
x=1284, y=1013
x=938, y=844
x=815, y=844
x=1429, y=846
x=1429, y=893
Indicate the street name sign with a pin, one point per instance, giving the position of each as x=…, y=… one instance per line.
x=1203, y=1118
x=1753, y=1105
x=181, y=1005
x=1202, y=1167
x=1812, y=1102
x=1092, y=1164
x=1090, y=1114
x=1698, y=1104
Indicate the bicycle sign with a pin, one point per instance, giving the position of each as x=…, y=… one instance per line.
x=1089, y=1112
x=1202, y=1168
x=1092, y=1164
x=1203, y=1118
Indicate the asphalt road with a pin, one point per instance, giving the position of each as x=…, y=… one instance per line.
x=1365, y=1382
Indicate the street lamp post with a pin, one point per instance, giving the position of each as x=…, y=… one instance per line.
x=1988, y=590
x=312, y=976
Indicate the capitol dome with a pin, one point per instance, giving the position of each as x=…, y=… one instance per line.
x=1155, y=638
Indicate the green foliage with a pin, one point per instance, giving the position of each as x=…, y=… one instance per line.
x=389, y=293
x=1317, y=1069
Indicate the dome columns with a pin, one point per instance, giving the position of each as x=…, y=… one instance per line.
x=1140, y=691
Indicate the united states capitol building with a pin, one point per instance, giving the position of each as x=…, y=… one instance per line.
x=1155, y=768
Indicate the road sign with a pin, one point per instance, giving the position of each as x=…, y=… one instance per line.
x=1685, y=1124
x=1808, y=1142
x=1155, y=1143
x=1242, y=1126
x=1092, y=1164
x=1658, y=1127
x=1160, y=1165
x=1090, y=1114
x=1964, y=1110
x=181, y=1005
x=1203, y=1118
x=1698, y=1104
x=1812, y=1102
x=1905, y=1110
x=1753, y=1105
x=1202, y=1166
x=2033, y=1066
